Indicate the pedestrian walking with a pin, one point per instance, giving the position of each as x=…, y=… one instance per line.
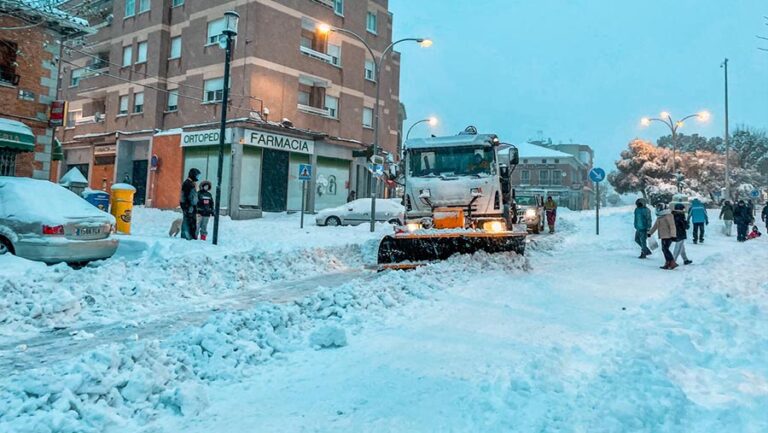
x=764, y=216
x=352, y=196
x=681, y=227
x=751, y=207
x=205, y=208
x=550, y=208
x=643, y=222
x=697, y=215
x=188, y=204
x=665, y=224
x=754, y=234
x=726, y=214
x=743, y=219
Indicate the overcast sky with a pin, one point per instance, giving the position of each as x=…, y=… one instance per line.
x=581, y=70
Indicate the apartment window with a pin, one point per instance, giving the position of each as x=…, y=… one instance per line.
x=138, y=102
x=304, y=96
x=141, y=52
x=100, y=62
x=543, y=177
x=312, y=96
x=130, y=8
x=8, y=51
x=557, y=177
x=372, y=22
x=127, y=56
x=338, y=7
x=332, y=105
x=176, y=3
x=123, y=105
x=335, y=52
x=368, y=117
x=175, y=47
x=215, y=29
x=75, y=76
x=543, y=161
x=143, y=6
x=73, y=116
x=173, y=100
x=525, y=177
x=213, y=90
x=370, y=74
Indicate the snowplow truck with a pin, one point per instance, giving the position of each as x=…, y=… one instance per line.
x=457, y=199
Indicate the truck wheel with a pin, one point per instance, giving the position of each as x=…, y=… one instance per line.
x=5, y=246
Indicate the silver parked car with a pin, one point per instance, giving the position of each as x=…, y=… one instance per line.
x=43, y=221
x=530, y=211
x=359, y=211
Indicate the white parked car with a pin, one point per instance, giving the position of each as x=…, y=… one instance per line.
x=43, y=221
x=359, y=212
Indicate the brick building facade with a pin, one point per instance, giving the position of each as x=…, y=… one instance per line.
x=155, y=66
x=29, y=50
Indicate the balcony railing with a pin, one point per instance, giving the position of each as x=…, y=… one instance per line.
x=314, y=110
x=328, y=3
x=315, y=54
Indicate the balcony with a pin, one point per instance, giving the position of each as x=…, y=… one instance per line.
x=315, y=54
x=328, y=3
x=314, y=110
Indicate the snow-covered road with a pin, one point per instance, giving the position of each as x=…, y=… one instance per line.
x=579, y=336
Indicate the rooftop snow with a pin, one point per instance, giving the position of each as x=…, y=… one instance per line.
x=528, y=150
x=55, y=18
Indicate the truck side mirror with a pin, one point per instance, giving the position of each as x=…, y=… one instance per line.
x=514, y=156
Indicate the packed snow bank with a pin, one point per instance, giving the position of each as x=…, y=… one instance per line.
x=121, y=388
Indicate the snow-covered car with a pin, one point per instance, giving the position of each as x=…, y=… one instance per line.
x=530, y=211
x=359, y=211
x=42, y=221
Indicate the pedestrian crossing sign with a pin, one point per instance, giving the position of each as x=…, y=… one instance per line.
x=305, y=172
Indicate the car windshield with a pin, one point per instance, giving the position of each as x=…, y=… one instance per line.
x=452, y=161
x=525, y=200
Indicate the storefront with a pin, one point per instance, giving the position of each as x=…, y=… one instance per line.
x=15, y=138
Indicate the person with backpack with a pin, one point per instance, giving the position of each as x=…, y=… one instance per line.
x=726, y=214
x=643, y=222
x=665, y=224
x=681, y=227
x=188, y=204
x=205, y=208
x=697, y=215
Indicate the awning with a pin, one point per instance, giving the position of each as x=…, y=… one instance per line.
x=16, y=135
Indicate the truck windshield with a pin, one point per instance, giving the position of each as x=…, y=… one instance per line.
x=452, y=161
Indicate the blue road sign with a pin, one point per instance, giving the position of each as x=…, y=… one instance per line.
x=305, y=172
x=755, y=193
x=597, y=175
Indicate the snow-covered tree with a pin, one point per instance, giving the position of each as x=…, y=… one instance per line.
x=692, y=143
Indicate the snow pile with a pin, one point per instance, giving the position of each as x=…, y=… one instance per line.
x=126, y=386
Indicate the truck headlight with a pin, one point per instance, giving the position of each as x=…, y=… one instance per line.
x=425, y=193
x=476, y=192
x=412, y=227
x=530, y=213
x=493, y=226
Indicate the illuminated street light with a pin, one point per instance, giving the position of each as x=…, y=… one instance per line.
x=666, y=119
x=432, y=121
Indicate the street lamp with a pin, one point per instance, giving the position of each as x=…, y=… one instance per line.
x=432, y=122
x=231, y=19
x=377, y=63
x=666, y=119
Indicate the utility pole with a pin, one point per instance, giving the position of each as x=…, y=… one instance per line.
x=724, y=65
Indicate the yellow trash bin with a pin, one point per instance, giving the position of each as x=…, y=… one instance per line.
x=121, y=206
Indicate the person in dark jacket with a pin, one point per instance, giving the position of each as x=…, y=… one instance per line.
x=697, y=215
x=726, y=214
x=188, y=204
x=751, y=207
x=764, y=216
x=205, y=208
x=643, y=222
x=742, y=218
x=665, y=224
x=681, y=226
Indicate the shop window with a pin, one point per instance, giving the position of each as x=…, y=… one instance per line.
x=213, y=90
x=7, y=162
x=8, y=52
x=138, y=102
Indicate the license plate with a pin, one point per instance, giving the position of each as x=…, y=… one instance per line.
x=87, y=231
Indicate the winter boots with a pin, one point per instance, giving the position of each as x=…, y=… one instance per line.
x=687, y=262
x=203, y=237
x=670, y=265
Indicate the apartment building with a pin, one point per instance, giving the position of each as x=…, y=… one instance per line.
x=29, y=50
x=560, y=171
x=145, y=99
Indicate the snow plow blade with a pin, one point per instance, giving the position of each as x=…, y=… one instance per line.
x=403, y=251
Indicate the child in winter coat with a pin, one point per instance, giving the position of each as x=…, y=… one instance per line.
x=754, y=234
x=205, y=207
x=681, y=226
x=665, y=224
x=697, y=215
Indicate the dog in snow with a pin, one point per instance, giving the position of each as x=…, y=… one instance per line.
x=175, y=227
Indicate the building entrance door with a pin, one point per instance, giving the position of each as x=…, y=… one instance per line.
x=274, y=181
x=139, y=181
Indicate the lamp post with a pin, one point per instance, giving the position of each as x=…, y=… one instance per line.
x=724, y=65
x=230, y=31
x=377, y=63
x=432, y=122
x=673, y=126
